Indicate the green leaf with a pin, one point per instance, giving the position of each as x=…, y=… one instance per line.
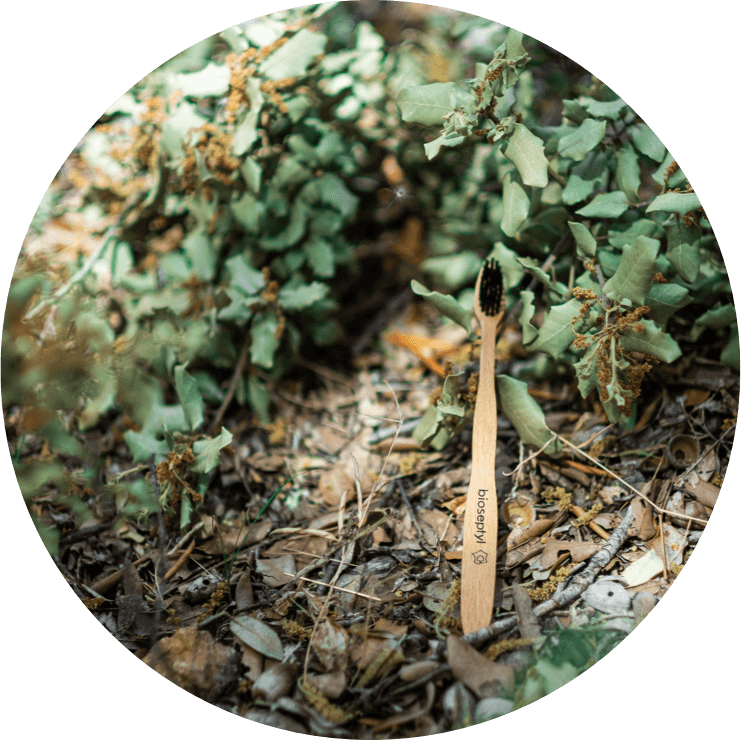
x=635, y=272
x=573, y=110
x=652, y=341
x=628, y=176
x=294, y=57
x=320, y=256
x=206, y=451
x=296, y=296
x=675, y=180
x=603, y=109
x=246, y=133
x=211, y=81
x=542, y=679
x=333, y=191
x=578, y=189
x=259, y=398
x=453, y=271
x=514, y=44
x=143, y=445
x=240, y=308
x=618, y=237
x=526, y=151
x=525, y=414
x=176, y=127
x=515, y=206
x=683, y=250
x=248, y=211
x=512, y=270
x=264, y=343
x=532, y=267
x=606, y=205
x=433, y=147
x=446, y=304
x=586, y=370
x=292, y=233
x=258, y=636
x=530, y=332
x=585, y=241
x=646, y=141
x=427, y=427
x=665, y=299
x=680, y=203
x=730, y=353
x=686, y=259
x=244, y=276
x=718, y=318
x=556, y=333
x=430, y=104
x=583, y=139
x=189, y=396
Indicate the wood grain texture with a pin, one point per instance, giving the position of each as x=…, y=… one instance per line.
x=479, y=560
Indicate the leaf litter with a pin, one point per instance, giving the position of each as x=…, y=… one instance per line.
x=333, y=609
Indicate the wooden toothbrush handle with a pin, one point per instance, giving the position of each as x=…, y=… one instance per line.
x=479, y=559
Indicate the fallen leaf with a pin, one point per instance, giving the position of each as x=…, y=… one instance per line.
x=193, y=660
x=484, y=677
x=258, y=636
x=643, y=569
x=331, y=643
x=277, y=572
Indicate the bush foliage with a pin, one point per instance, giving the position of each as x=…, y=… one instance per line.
x=231, y=186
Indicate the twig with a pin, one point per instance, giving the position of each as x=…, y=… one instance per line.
x=319, y=562
x=628, y=485
x=180, y=562
x=184, y=539
x=103, y=584
x=406, y=428
x=529, y=458
x=573, y=588
x=241, y=362
x=346, y=557
x=338, y=588
x=408, y=504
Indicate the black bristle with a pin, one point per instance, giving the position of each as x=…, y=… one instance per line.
x=490, y=288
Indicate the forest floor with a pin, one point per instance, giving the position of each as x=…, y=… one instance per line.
x=317, y=589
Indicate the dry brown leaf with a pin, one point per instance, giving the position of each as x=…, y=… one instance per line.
x=277, y=571
x=194, y=661
x=484, y=677
x=578, y=551
x=331, y=644
x=331, y=685
x=229, y=540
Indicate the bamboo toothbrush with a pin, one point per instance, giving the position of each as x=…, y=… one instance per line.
x=480, y=522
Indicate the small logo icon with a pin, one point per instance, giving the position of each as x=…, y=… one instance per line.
x=480, y=557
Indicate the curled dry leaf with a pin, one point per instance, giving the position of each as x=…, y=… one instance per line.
x=194, y=661
x=483, y=676
x=277, y=572
x=275, y=682
x=332, y=685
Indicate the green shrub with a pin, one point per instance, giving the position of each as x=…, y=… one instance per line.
x=599, y=200
x=234, y=184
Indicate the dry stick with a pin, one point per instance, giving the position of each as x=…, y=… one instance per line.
x=628, y=485
x=339, y=588
x=180, y=562
x=574, y=585
x=479, y=558
x=241, y=362
x=103, y=584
